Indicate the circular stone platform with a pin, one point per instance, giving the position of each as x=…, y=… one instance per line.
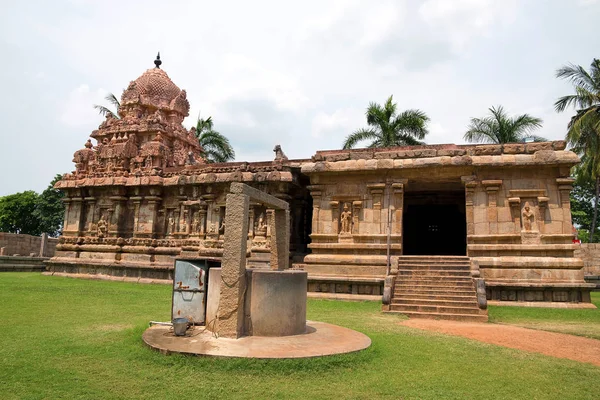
x=320, y=339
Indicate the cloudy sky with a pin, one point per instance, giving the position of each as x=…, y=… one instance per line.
x=299, y=74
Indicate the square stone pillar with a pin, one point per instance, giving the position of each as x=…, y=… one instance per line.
x=398, y=191
x=470, y=186
x=233, y=267
x=565, y=185
x=492, y=187
x=280, y=243
x=315, y=193
x=335, y=216
x=376, y=190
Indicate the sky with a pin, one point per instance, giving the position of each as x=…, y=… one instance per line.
x=299, y=74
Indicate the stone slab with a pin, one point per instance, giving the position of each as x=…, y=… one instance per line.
x=320, y=339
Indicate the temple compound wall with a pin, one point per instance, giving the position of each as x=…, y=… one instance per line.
x=142, y=196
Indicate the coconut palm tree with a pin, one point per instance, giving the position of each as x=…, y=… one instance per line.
x=500, y=128
x=112, y=99
x=583, y=130
x=388, y=128
x=216, y=147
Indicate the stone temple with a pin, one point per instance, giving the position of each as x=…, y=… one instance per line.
x=428, y=224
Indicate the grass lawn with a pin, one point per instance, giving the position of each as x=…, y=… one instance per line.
x=68, y=338
x=580, y=322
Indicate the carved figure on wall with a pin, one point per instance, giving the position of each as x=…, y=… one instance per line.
x=222, y=227
x=212, y=229
x=102, y=227
x=346, y=220
x=261, y=229
x=279, y=154
x=171, y=227
x=528, y=217
x=196, y=224
x=183, y=226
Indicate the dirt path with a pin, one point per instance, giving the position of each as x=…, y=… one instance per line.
x=549, y=343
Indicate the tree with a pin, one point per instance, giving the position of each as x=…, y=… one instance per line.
x=582, y=209
x=33, y=214
x=17, y=213
x=215, y=146
x=583, y=130
x=388, y=128
x=50, y=209
x=500, y=128
x=112, y=99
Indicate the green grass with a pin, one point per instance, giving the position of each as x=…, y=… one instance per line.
x=67, y=338
x=580, y=322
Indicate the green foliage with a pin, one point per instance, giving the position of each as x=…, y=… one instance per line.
x=33, y=214
x=215, y=146
x=91, y=348
x=17, y=213
x=583, y=134
x=582, y=206
x=50, y=209
x=500, y=128
x=387, y=128
x=113, y=101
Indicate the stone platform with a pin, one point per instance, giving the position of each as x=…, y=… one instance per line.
x=320, y=339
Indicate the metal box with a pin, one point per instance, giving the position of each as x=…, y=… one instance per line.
x=190, y=290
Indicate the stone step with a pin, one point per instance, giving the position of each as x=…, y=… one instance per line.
x=444, y=316
x=435, y=308
x=441, y=272
x=435, y=282
x=435, y=258
x=468, y=302
x=437, y=296
x=433, y=267
x=459, y=291
x=438, y=293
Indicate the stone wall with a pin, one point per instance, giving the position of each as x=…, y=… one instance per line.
x=24, y=245
x=590, y=254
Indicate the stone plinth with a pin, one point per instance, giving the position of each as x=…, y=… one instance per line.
x=278, y=303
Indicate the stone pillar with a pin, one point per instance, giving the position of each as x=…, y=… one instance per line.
x=202, y=212
x=116, y=218
x=137, y=200
x=376, y=190
x=233, y=280
x=335, y=216
x=315, y=193
x=153, y=203
x=565, y=185
x=90, y=205
x=280, y=240
x=398, y=191
x=356, y=206
x=67, y=203
x=43, y=244
x=470, y=185
x=515, y=210
x=492, y=187
x=251, y=222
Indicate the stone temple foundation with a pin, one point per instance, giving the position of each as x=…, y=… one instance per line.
x=141, y=196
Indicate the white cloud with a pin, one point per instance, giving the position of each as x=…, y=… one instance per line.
x=78, y=108
x=344, y=121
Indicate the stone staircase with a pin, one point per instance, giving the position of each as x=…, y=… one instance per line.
x=436, y=287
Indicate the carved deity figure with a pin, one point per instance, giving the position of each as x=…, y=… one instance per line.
x=279, y=154
x=196, y=224
x=261, y=229
x=528, y=217
x=346, y=220
x=102, y=227
x=171, y=227
x=212, y=228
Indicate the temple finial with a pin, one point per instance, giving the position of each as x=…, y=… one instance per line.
x=157, y=62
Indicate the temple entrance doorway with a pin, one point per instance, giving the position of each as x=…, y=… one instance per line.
x=434, y=221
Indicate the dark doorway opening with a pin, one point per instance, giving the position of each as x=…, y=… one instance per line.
x=434, y=223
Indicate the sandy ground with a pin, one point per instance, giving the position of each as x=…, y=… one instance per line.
x=549, y=343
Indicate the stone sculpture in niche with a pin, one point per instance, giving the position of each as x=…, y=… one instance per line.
x=102, y=227
x=171, y=227
x=528, y=217
x=196, y=224
x=261, y=229
x=346, y=220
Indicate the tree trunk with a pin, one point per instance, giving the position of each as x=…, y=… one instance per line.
x=593, y=230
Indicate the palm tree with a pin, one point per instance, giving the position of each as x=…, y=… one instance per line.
x=500, y=128
x=583, y=134
x=388, y=128
x=216, y=147
x=112, y=99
